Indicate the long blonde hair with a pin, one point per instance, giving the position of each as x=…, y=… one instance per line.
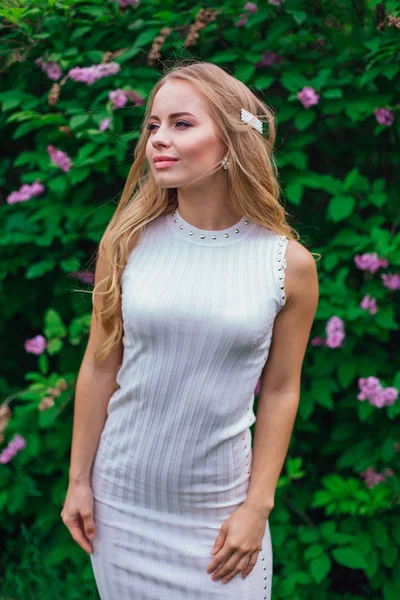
x=252, y=175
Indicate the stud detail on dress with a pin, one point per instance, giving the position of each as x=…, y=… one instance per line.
x=280, y=263
x=203, y=236
x=264, y=569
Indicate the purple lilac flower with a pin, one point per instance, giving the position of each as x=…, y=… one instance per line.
x=84, y=276
x=372, y=477
x=318, y=341
x=258, y=388
x=384, y=116
x=26, y=192
x=36, y=345
x=372, y=390
x=125, y=3
x=104, y=124
x=370, y=262
x=134, y=97
x=16, y=444
x=368, y=303
x=51, y=68
x=268, y=59
x=60, y=158
x=118, y=98
x=242, y=21
x=91, y=74
x=251, y=7
x=276, y=2
x=308, y=97
x=335, y=332
x=391, y=281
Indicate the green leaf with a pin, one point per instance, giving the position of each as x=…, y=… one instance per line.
x=264, y=81
x=340, y=207
x=293, y=82
x=298, y=15
x=225, y=56
x=346, y=373
x=58, y=185
x=69, y=265
x=390, y=591
x=390, y=70
x=54, y=325
x=294, y=192
x=40, y=268
x=78, y=120
x=244, y=71
x=348, y=557
x=320, y=567
x=54, y=346
x=378, y=199
x=373, y=44
x=304, y=119
x=379, y=531
x=43, y=363
x=145, y=37
x=389, y=556
x=332, y=93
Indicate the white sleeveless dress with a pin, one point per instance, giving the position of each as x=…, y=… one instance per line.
x=174, y=458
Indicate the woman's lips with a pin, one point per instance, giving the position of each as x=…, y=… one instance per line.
x=161, y=164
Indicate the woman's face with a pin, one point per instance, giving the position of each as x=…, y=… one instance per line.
x=190, y=138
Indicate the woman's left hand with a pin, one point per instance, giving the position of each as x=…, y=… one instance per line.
x=238, y=543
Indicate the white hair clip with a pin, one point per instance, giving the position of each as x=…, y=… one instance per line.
x=247, y=117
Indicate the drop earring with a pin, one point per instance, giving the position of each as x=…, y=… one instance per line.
x=225, y=162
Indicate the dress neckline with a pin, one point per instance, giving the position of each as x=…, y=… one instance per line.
x=207, y=237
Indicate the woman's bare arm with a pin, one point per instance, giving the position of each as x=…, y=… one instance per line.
x=280, y=383
x=94, y=388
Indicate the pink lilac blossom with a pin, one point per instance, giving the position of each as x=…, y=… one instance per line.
x=372, y=477
x=26, y=192
x=391, y=281
x=134, y=97
x=84, y=276
x=14, y=446
x=371, y=389
x=36, y=345
x=370, y=262
x=384, y=116
x=276, y=2
x=268, y=59
x=91, y=74
x=60, y=158
x=318, y=341
x=335, y=332
x=251, y=7
x=368, y=303
x=242, y=21
x=308, y=97
x=125, y=3
x=104, y=124
x=51, y=68
x=118, y=98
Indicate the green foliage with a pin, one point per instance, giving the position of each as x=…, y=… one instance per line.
x=333, y=536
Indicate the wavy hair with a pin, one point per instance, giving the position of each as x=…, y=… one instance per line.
x=252, y=176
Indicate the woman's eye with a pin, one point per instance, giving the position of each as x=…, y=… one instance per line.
x=149, y=126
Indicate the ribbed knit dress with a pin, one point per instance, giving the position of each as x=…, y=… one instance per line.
x=175, y=455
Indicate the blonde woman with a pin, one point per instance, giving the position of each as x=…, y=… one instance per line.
x=201, y=287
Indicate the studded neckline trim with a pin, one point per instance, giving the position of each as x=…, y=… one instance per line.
x=207, y=237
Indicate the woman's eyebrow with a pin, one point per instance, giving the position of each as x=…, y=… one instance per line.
x=178, y=114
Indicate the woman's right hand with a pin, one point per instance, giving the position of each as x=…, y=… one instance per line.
x=77, y=513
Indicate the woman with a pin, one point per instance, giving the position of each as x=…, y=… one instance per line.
x=197, y=268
